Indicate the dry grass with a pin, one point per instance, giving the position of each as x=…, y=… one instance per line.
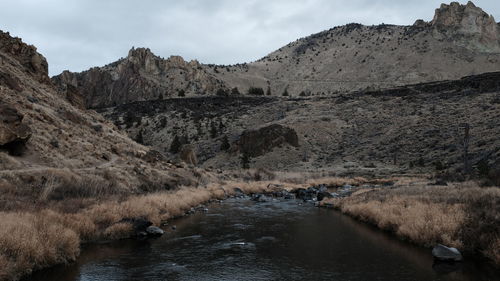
x=33, y=241
x=30, y=241
x=462, y=215
x=423, y=223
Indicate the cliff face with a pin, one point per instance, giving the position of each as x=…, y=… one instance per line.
x=27, y=56
x=139, y=76
x=469, y=25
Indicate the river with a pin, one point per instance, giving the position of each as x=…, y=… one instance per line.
x=239, y=239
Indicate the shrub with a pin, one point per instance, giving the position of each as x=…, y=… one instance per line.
x=221, y=92
x=245, y=161
x=176, y=144
x=235, y=92
x=225, y=145
x=256, y=91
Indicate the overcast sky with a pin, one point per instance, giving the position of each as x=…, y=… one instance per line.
x=79, y=34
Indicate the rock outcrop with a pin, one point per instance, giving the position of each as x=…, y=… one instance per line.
x=468, y=25
x=257, y=142
x=140, y=76
x=13, y=132
x=26, y=55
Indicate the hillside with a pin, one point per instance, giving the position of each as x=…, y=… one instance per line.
x=461, y=40
x=402, y=130
x=47, y=144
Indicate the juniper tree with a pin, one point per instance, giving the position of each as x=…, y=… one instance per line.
x=225, y=144
x=175, y=146
x=245, y=161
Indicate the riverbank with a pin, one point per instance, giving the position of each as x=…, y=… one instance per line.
x=461, y=215
x=34, y=239
x=409, y=207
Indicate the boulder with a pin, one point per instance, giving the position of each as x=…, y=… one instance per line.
x=443, y=253
x=13, y=132
x=154, y=231
x=324, y=194
x=238, y=191
x=139, y=224
x=259, y=198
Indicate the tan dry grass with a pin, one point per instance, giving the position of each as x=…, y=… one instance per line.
x=31, y=241
x=462, y=215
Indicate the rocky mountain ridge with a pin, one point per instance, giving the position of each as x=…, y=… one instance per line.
x=140, y=76
x=460, y=40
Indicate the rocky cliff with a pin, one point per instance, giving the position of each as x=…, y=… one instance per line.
x=140, y=76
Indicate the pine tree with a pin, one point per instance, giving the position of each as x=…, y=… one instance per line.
x=285, y=93
x=268, y=92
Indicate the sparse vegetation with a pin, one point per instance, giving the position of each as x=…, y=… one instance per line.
x=255, y=91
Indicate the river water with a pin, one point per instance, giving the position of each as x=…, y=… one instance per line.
x=239, y=239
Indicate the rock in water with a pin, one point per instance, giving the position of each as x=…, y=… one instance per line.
x=154, y=231
x=444, y=253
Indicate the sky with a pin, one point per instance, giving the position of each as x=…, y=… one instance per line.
x=78, y=34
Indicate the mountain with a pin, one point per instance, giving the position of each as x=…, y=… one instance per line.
x=140, y=76
x=48, y=145
x=461, y=40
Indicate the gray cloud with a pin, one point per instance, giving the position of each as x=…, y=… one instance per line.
x=77, y=35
